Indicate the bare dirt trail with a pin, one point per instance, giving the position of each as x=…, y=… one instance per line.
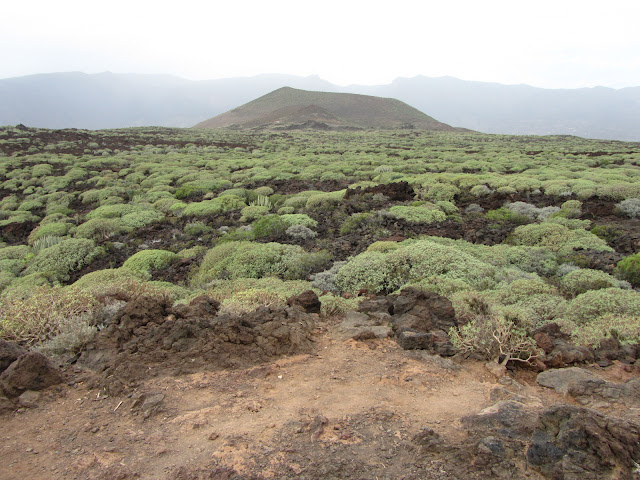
x=349, y=410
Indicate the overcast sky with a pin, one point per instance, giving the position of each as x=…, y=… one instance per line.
x=546, y=43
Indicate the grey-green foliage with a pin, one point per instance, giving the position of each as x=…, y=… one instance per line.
x=301, y=232
x=243, y=259
x=63, y=258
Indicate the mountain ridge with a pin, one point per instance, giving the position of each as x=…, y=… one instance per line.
x=110, y=100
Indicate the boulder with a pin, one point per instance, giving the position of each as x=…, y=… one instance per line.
x=558, y=349
x=9, y=353
x=422, y=311
x=6, y=405
x=307, y=300
x=436, y=341
x=562, y=379
x=507, y=417
x=577, y=443
x=31, y=371
x=590, y=390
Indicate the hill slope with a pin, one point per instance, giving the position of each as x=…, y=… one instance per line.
x=290, y=108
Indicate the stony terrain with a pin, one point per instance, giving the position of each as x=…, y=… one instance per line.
x=312, y=398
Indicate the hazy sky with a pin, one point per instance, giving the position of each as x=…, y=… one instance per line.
x=558, y=43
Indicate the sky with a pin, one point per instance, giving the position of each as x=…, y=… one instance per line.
x=550, y=44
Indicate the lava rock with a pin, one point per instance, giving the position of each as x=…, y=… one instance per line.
x=31, y=371
x=307, y=300
x=9, y=353
x=562, y=379
x=578, y=443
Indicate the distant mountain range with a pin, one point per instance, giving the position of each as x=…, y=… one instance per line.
x=289, y=108
x=107, y=100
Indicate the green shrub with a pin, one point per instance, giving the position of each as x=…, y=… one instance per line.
x=58, y=229
x=299, y=219
x=624, y=328
x=286, y=211
x=146, y=261
x=412, y=262
x=17, y=252
x=628, y=269
x=265, y=191
x=336, y=305
x=324, y=201
x=60, y=260
x=257, y=260
x=195, y=229
x=100, y=278
x=584, y=279
x=355, y=222
x=271, y=225
x=189, y=191
x=592, y=305
x=246, y=294
x=422, y=214
x=99, y=228
x=253, y=212
x=504, y=214
x=140, y=218
x=557, y=238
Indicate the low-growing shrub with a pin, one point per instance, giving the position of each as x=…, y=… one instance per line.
x=256, y=260
x=629, y=207
x=584, y=279
x=335, y=305
x=146, y=261
x=195, y=229
x=557, y=238
x=58, y=229
x=355, y=222
x=63, y=258
x=99, y=228
x=422, y=214
x=301, y=232
x=253, y=212
x=628, y=269
x=299, y=219
x=592, y=305
x=41, y=316
x=270, y=225
x=494, y=338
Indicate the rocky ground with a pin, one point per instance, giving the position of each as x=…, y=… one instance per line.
x=182, y=393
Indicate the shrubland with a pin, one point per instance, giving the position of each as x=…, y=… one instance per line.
x=516, y=231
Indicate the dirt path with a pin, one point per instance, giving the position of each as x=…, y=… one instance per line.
x=350, y=410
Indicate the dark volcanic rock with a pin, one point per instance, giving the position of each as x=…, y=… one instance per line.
x=395, y=191
x=558, y=349
x=420, y=319
x=31, y=371
x=577, y=443
x=307, y=300
x=9, y=353
x=507, y=417
x=422, y=311
x=437, y=341
x=199, y=307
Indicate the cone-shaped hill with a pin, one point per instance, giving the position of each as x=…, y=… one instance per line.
x=289, y=108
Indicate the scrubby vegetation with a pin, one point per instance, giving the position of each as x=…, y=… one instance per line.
x=516, y=231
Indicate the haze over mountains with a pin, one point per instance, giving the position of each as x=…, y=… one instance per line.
x=107, y=100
